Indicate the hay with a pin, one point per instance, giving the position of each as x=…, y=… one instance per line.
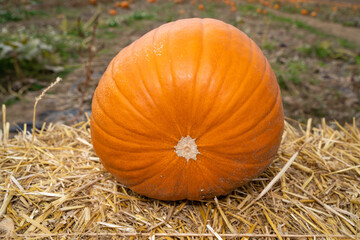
x=56, y=188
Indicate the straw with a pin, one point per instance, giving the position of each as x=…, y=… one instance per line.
x=52, y=185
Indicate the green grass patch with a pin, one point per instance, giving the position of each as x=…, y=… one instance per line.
x=305, y=49
x=327, y=49
x=247, y=8
x=280, y=18
x=309, y=28
x=357, y=59
x=67, y=70
x=19, y=14
x=138, y=15
x=289, y=8
x=11, y=101
x=347, y=44
x=269, y=45
x=291, y=72
x=107, y=34
x=295, y=68
x=7, y=16
x=129, y=19
x=299, y=24
x=209, y=11
x=163, y=11
x=30, y=53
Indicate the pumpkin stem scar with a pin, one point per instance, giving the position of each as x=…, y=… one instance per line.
x=187, y=148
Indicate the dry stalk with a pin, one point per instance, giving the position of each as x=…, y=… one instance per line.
x=5, y=132
x=88, y=71
x=281, y=173
x=37, y=99
x=218, y=237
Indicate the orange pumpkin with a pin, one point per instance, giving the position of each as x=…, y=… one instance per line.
x=124, y=4
x=112, y=12
x=93, y=2
x=232, y=6
x=191, y=110
x=266, y=3
x=304, y=12
x=201, y=7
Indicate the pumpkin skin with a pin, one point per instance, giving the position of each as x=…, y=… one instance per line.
x=196, y=78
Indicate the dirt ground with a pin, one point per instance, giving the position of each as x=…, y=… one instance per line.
x=335, y=29
x=335, y=95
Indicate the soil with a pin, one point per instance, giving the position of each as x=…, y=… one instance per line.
x=350, y=33
x=334, y=96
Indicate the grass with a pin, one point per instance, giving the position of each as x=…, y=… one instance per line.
x=347, y=44
x=323, y=50
x=11, y=101
x=309, y=28
x=250, y=9
x=320, y=51
x=269, y=45
x=305, y=49
x=357, y=60
x=7, y=16
x=59, y=45
x=353, y=23
x=67, y=70
x=344, y=15
x=209, y=10
x=247, y=8
x=292, y=71
x=107, y=34
x=298, y=24
x=295, y=68
x=280, y=19
x=111, y=27
x=33, y=53
x=19, y=14
x=69, y=12
x=138, y=15
x=289, y=8
x=163, y=11
x=128, y=19
x=66, y=46
x=328, y=50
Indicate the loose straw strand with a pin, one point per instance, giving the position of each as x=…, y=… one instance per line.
x=283, y=170
x=37, y=99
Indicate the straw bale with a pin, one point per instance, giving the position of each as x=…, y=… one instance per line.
x=53, y=186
